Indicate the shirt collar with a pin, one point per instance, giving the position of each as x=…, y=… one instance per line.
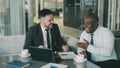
x=43, y=28
x=96, y=30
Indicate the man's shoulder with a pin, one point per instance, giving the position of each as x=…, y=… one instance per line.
x=104, y=29
x=35, y=26
x=84, y=33
x=54, y=24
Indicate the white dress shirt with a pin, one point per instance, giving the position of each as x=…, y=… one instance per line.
x=44, y=36
x=103, y=48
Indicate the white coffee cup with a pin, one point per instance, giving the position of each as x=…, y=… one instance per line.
x=24, y=52
x=81, y=65
x=80, y=57
x=80, y=50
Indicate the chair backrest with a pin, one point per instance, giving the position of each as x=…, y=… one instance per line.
x=117, y=47
x=116, y=34
x=71, y=42
x=11, y=44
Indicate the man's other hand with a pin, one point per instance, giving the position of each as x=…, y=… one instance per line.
x=83, y=45
x=41, y=46
x=65, y=48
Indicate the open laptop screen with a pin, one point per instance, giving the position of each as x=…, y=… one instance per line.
x=41, y=54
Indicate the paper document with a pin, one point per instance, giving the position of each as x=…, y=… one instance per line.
x=54, y=65
x=67, y=55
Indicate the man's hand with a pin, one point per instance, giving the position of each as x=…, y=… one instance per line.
x=84, y=53
x=65, y=48
x=41, y=46
x=83, y=45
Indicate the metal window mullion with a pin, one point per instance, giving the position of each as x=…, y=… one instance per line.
x=118, y=27
x=118, y=13
x=114, y=17
x=109, y=15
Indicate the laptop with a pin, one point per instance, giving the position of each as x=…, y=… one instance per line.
x=42, y=54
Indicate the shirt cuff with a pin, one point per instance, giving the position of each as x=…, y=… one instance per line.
x=90, y=48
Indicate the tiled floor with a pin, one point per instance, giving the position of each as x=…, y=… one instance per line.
x=67, y=30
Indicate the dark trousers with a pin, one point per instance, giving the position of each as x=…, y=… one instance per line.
x=109, y=64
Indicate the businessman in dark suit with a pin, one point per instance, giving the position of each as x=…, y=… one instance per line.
x=36, y=35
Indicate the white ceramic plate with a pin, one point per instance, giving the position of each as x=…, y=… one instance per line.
x=25, y=55
x=79, y=61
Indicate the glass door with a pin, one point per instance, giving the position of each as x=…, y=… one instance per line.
x=12, y=17
x=75, y=10
x=114, y=15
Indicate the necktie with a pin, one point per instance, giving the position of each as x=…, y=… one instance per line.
x=92, y=43
x=48, y=38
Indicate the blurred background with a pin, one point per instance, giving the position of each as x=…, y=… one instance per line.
x=16, y=16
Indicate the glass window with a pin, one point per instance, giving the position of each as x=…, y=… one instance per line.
x=12, y=17
x=74, y=13
x=114, y=15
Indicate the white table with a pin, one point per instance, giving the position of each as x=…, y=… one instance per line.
x=38, y=64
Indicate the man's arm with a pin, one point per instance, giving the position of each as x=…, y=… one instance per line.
x=60, y=41
x=28, y=39
x=107, y=46
x=103, y=48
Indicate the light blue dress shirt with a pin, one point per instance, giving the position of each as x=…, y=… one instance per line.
x=103, y=48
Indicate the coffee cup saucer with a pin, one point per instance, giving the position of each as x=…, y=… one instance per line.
x=25, y=55
x=77, y=61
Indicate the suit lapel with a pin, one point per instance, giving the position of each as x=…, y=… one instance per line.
x=40, y=34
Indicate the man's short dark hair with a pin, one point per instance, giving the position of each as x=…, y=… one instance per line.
x=45, y=12
x=93, y=16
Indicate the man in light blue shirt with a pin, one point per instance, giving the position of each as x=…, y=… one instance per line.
x=101, y=50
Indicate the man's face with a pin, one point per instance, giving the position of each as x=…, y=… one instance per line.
x=90, y=25
x=48, y=21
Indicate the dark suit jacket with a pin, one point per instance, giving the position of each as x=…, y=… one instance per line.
x=34, y=37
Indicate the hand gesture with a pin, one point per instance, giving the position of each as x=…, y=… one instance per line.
x=83, y=45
